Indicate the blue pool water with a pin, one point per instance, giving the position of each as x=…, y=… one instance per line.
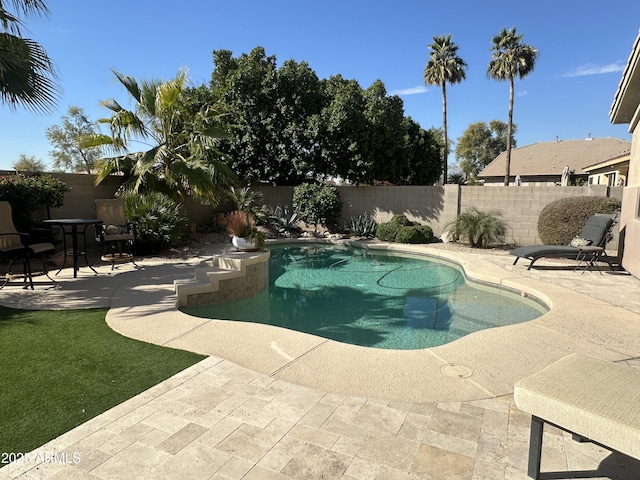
x=373, y=299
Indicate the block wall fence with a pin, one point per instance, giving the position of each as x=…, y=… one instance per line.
x=436, y=206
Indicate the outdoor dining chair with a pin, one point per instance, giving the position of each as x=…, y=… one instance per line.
x=16, y=246
x=115, y=231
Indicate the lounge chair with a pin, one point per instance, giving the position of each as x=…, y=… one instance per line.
x=596, y=231
x=16, y=246
x=595, y=400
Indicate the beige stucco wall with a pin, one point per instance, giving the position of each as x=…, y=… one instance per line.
x=630, y=215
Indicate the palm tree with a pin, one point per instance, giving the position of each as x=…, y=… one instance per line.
x=183, y=159
x=510, y=58
x=27, y=75
x=444, y=66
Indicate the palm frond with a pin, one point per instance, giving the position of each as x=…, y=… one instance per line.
x=129, y=83
x=27, y=75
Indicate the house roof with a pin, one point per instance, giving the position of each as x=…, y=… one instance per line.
x=627, y=98
x=550, y=158
x=609, y=162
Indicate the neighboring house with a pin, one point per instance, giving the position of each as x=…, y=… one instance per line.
x=542, y=163
x=626, y=109
x=611, y=172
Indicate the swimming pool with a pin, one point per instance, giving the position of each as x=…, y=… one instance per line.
x=373, y=298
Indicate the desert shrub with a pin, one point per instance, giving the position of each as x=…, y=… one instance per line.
x=386, y=232
x=415, y=234
x=480, y=228
x=158, y=221
x=401, y=220
x=563, y=219
x=317, y=204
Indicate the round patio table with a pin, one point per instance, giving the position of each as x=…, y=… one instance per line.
x=70, y=227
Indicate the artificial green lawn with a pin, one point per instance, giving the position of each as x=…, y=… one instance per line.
x=58, y=369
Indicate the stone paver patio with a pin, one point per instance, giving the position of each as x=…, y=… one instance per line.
x=224, y=419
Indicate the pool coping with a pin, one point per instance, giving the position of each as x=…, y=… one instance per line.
x=481, y=365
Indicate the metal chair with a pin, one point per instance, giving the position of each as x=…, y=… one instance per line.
x=16, y=246
x=114, y=231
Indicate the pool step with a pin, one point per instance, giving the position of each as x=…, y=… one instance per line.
x=226, y=277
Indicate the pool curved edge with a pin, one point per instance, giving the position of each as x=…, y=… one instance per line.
x=481, y=365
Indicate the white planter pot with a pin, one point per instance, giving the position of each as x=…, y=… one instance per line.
x=242, y=245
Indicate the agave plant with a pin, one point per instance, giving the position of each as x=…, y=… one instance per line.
x=363, y=226
x=284, y=220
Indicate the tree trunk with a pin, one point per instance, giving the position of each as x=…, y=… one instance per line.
x=507, y=168
x=445, y=152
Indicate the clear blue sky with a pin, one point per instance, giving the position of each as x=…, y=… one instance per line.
x=583, y=48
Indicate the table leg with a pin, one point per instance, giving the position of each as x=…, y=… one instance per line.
x=84, y=248
x=74, y=243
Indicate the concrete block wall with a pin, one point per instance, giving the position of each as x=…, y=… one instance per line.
x=433, y=206
x=436, y=206
x=521, y=206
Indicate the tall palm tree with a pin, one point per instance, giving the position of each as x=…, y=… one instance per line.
x=510, y=59
x=182, y=159
x=27, y=75
x=444, y=65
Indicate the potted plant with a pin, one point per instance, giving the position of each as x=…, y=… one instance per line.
x=242, y=228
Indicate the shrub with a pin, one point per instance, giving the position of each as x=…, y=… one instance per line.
x=480, y=228
x=415, y=234
x=31, y=197
x=386, y=232
x=317, y=204
x=363, y=226
x=563, y=219
x=401, y=220
x=159, y=222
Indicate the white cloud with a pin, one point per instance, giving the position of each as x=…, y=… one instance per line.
x=591, y=69
x=410, y=91
x=521, y=94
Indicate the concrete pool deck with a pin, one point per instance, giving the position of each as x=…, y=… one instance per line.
x=268, y=399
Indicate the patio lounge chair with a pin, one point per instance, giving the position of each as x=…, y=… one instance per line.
x=595, y=400
x=596, y=231
x=16, y=246
x=115, y=230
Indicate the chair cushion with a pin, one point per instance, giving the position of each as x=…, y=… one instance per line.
x=37, y=248
x=594, y=398
x=115, y=229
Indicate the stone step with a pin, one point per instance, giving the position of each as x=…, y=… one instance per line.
x=209, y=274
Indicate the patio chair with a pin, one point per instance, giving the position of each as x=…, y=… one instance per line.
x=115, y=231
x=596, y=232
x=16, y=246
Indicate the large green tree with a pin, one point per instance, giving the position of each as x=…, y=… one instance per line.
x=480, y=143
x=422, y=160
x=340, y=130
x=386, y=128
x=287, y=126
x=27, y=74
x=69, y=153
x=510, y=58
x=444, y=66
x=269, y=113
x=181, y=159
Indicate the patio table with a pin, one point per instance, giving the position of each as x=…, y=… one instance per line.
x=70, y=227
